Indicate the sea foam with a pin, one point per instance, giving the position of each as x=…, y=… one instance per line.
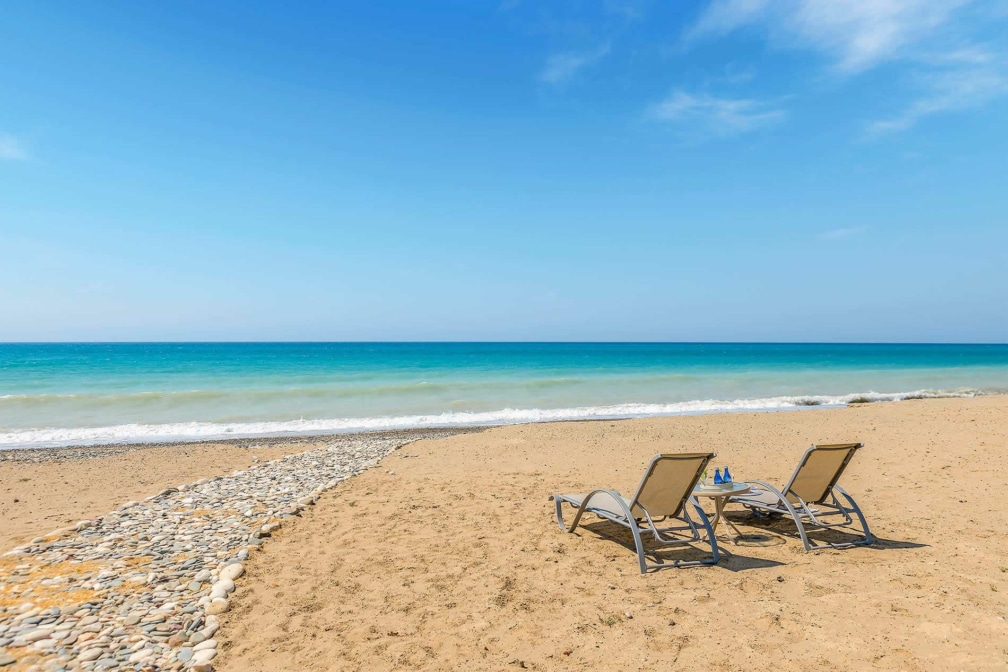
x=197, y=431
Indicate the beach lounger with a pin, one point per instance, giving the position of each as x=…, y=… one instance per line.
x=812, y=497
x=663, y=495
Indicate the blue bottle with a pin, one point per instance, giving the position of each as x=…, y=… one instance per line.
x=727, y=476
x=717, y=477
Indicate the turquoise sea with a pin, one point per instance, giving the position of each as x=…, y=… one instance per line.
x=74, y=394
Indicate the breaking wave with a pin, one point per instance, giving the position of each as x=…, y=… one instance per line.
x=198, y=431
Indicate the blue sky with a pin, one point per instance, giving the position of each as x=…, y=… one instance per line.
x=613, y=170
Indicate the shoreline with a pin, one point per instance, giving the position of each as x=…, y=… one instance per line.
x=795, y=403
x=82, y=452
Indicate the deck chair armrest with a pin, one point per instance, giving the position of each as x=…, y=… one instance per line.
x=771, y=489
x=614, y=495
x=765, y=486
x=607, y=513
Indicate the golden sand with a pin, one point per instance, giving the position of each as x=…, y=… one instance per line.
x=454, y=561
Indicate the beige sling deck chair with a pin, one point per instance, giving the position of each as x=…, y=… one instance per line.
x=662, y=495
x=812, y=497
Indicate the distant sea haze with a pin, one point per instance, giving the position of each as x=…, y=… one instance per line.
x=82, y=394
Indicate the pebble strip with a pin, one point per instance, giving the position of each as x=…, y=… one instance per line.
x=140, y=588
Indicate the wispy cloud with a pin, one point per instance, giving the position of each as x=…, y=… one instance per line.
x=560, y=68
x=713, y=115
x=11, y=149
x=950, y=90
x=856, y=34
x=948, y=70
x=840, y=234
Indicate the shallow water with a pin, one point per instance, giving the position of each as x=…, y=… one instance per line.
x=63, y=394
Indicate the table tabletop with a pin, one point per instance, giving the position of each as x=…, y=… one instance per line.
x=735, y=489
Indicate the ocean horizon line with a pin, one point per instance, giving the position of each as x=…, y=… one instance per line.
x=493, y=342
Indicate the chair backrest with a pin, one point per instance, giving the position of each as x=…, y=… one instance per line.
x=668, y=483
x=818, y=471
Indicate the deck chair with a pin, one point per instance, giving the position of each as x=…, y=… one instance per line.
x=812, y=497
x=662, y=495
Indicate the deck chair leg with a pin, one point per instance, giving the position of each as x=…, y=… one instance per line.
x=869, y=539
x=791, y=511
x=801, y=529
x=559, y=513
x=639, y=543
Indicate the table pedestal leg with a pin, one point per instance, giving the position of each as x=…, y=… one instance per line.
x=719, y=504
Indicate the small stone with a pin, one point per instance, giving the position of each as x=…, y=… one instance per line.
x=44, y=644
x=208, y=644
x=218, y=606
x=132, y=619
x=6, y=660
x=37, y=634
x=204, y=655
x=227, y=585
x=197, y=637
x=141, y=655
x=184, y=654
x=233, y=571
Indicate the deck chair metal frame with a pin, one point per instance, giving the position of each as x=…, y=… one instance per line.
x=813, y=501
x=663, y=495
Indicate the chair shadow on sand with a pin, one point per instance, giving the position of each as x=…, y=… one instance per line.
x=669, y=556
x=774, y=532
x=760, y=533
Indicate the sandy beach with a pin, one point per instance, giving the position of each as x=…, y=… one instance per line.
x=447, y=554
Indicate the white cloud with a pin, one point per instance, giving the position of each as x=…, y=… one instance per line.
x=560, y=68
x=840, y=234
x=951, y=90
x=932, y=40
x=11, y=149
x=720, y=116
x=856, y=34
